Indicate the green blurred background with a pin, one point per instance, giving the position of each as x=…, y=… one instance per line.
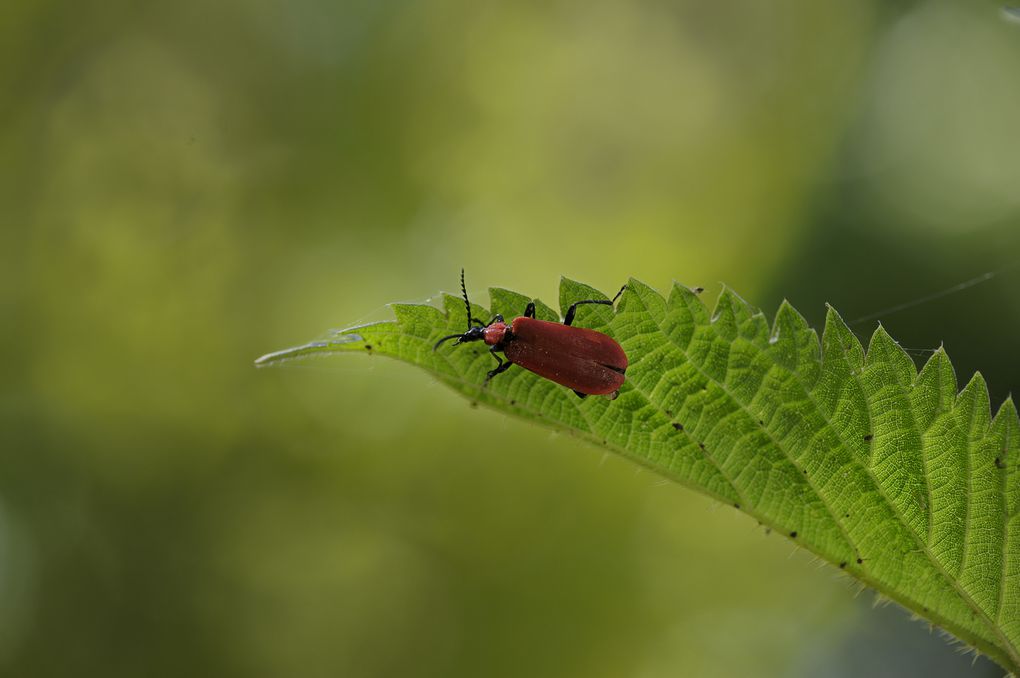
x=185, y=186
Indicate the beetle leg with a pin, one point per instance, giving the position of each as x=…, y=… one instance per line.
x=503, y=366
x=529, y=312
x=573, y=308
x=605, y=302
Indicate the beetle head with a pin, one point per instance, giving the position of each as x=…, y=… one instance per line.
x=473, y=334
x=475, y=328
x=492, y=334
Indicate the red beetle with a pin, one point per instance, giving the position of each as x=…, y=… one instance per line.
x=589, y=362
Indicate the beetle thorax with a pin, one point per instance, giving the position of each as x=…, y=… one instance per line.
x=495, y=333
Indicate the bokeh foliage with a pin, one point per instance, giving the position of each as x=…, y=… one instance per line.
x=187, y=185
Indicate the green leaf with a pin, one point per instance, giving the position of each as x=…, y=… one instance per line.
x=888, y=474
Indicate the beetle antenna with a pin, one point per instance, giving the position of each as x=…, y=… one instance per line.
x=467, y=304
x=452, y=336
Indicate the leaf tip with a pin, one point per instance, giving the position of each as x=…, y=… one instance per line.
x=977, y=385
x=832, y=316
x=1007, y=409
x=788, y=317
x=635, y=285
x=882, y=347
x=838, y=340
x=685, y=292
x=305, y=350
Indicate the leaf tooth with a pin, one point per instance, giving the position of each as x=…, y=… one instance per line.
x=572, y=290
x=897, y=455
x=982, y=525
x=685, y=312
x=982, y=530
x=684, y=300
x=883, y=348
x=794, y=345
x=1001, y=445
x=508, y=303
x=650, y=299
x=788, y=321
x=757, y=330
x=974, y=406
x=453, y=310
x=946, y=461
x=727, y=314
x=742, y=311
x=1007, y=412
x=545, y=312
x=838, y=392
x=1006, y=419
x=839, y=343
x=934, y=390
x=420, y=319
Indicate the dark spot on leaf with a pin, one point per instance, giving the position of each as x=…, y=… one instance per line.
x=368, y=347
x=669, y=413
x=761, y=422
x=794, y=534
x=699, y=290
x=678, y=427
x=805, y=471
x=860, y=560
x=846, y=515
x=474, y=404
x=868, y=438
x=842, y=565
x=999, y=463
x=513, y=402
x=701, y=445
